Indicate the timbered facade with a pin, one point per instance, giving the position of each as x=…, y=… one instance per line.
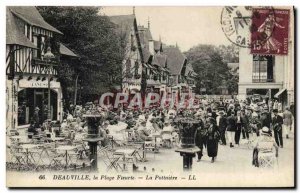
x=132, y=66
x=28, y=37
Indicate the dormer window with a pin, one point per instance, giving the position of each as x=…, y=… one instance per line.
x=133, y=47
x=27, y=31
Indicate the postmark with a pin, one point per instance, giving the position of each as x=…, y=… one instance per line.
x=236, y=24
x=269, y=31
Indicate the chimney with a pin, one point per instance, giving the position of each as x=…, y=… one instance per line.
x=148, y=23
x=151, y=47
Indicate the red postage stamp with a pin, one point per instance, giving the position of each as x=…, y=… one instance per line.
x=269, y=31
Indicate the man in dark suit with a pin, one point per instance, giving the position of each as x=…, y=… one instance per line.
x=231, y=128
x=266, y=120
x=222, y=124
x=245, y=124
x=239, y=123
x=201, y=137
x=277, y=122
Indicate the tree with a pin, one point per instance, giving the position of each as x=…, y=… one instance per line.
x=229, y=53
x=212, y=71
x=92, y=37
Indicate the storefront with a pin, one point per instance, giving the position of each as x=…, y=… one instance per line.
x=31, y=92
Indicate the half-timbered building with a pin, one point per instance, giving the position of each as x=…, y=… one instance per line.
x=28, y=38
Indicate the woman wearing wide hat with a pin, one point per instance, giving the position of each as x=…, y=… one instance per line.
x=265, y=137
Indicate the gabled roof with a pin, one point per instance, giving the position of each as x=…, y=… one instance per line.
x=157, y=45
x=160, y=60
x=66, y=51
x=147, y=32
x=175, y=60
x=31, y=15
x=145, y=35
x=13, y=34
x=124, y=23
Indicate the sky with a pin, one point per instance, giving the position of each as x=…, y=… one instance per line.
x=186, y=26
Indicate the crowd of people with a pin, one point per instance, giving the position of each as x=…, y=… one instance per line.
x=222, y=122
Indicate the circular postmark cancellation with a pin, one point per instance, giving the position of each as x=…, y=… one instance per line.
x=237, y=25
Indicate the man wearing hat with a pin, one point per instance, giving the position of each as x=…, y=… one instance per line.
x=143, y=133
x=266, y=118
x=200, y=139
x=222, y=124
x=245, y=124
x=239, y=124
x=36, y=118
x=231, y=128
x=277, y=122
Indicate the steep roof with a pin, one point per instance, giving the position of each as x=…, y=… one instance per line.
x=147, y=32
x=13, y=34
x=124, y=23
x=66, y=51
x=175, y=60
x=160, y=60
x=157, y=45
x=31, y=15
x=145, y=35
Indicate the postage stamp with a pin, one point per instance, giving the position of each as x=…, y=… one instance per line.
x=269, y=31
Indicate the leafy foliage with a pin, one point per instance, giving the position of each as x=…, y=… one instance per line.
x=212, y=71
x=92, y=37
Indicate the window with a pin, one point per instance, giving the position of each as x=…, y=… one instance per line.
x=128, y=66
x=262, y=68
x=28, y=31
x=40, y=46
x=136, y=68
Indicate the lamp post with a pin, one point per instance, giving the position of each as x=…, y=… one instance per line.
x=48, y=56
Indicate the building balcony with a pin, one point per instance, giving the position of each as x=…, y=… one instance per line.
x=262, y=80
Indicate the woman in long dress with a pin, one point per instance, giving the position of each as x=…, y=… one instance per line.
x=213, y=136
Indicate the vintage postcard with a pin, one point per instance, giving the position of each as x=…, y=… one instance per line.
x=150, y=96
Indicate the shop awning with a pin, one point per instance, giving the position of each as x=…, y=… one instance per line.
x=279, y=93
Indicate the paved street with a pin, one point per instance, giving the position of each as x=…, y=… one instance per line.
x=230, y=163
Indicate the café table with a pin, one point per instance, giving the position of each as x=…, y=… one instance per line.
x=125, y=153
x=142, y=143
x=66, y=148
x=156, y=135
x=28, y=153
x=15, y=139
x=44, y=150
